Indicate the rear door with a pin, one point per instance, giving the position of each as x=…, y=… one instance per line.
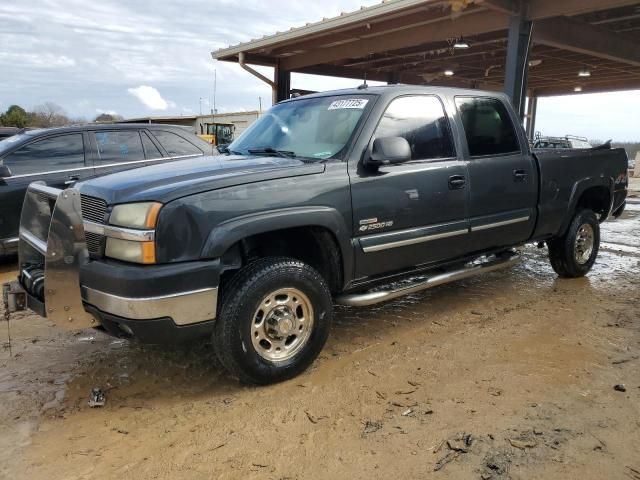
x=176, y=146
x=58, y=160
x=116, y=150
x=413, y=213
x=152, y=151
x=503, y=179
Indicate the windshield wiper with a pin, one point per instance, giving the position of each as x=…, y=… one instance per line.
x=272, y=151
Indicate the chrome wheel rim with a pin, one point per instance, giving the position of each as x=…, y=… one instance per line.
x=281, y=325
x=583, y=246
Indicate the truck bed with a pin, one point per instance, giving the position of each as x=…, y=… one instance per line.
x=565, y=174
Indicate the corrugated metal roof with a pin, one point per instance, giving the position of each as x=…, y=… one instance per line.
x=384, y=8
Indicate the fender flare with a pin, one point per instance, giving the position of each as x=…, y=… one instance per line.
x=581, y=186
x=227, y=233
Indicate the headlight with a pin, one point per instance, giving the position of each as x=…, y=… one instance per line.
x=135, y=215
x=142, y=216
x=130, y=251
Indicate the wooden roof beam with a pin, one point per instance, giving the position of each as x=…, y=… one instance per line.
x=582, y=37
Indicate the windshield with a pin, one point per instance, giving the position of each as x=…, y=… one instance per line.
x=9, y=142
x=317, y=128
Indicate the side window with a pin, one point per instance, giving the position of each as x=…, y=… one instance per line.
x=175, y=145
x=422, y=122
x=487, y=126
x=64, y=152
x=116, y=146
x=150, y=150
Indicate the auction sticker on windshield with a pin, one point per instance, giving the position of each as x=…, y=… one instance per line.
x=357, y=103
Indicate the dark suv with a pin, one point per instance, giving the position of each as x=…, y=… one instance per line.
x=62, y=156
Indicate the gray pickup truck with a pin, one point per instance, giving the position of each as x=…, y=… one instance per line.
x=331, y=197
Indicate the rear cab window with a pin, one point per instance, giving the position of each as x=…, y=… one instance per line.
x=60, y=152
x=488, y=127
x=118, y=146
x=175, y=145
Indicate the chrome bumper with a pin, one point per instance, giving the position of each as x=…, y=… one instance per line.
x=184, y=308
x=52, y=238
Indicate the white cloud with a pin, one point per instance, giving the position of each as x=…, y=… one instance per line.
x=150, y=97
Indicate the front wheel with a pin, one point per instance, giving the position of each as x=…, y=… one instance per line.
x=275, y=318
x=573, y=254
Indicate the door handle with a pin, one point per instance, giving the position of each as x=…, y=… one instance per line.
x=520, y=175
x=72, y=179
x=456, y=182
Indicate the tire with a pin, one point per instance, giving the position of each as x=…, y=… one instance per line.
x=261, y=336
x=570, y=254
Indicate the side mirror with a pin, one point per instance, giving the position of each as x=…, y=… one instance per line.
x=223, y=148
x=388, y=151
x=4, y=171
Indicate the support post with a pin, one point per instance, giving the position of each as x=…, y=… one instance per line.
x=532, y=107
x=516, y=69
x=283, y=84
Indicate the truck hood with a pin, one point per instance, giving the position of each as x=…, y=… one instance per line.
x=167, y=181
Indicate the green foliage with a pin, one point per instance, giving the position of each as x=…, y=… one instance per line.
x=15, y=116
x=108, y=117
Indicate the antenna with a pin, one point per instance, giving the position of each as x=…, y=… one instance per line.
x=364, y=85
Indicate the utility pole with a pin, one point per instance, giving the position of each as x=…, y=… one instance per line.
x=213, y=110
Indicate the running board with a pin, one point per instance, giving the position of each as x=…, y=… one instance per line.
x=378, y=296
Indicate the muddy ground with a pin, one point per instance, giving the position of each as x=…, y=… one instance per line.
x=508, y=375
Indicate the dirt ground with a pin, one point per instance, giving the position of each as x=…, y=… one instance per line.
x=510, y=375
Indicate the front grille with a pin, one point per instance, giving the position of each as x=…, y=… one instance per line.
x=94, y=210
x=94, y=243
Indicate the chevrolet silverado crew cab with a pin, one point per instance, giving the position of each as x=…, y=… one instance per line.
x=330, y=197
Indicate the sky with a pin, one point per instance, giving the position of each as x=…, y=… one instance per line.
x=143, y=57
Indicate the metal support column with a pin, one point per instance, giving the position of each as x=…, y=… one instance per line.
x=519, y=40
x=283, y=84
x=532, y=107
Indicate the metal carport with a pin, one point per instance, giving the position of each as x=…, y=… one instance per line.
x=528, y=48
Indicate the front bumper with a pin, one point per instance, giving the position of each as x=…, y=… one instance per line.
x=187, y=293
x=64, y=285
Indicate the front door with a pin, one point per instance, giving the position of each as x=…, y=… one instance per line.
x=57, y=160
x=502, y=175
x=414, y=213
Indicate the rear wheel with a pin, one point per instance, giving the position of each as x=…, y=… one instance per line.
x=573, y=254
x=274, y=320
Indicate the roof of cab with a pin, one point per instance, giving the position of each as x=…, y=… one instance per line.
x=393, y=90
x=101, y=126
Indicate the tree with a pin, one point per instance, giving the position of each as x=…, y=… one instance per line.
x=15, y=116
x=49, y=114
x=108, y=117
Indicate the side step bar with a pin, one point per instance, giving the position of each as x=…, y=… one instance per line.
x=378, y=296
